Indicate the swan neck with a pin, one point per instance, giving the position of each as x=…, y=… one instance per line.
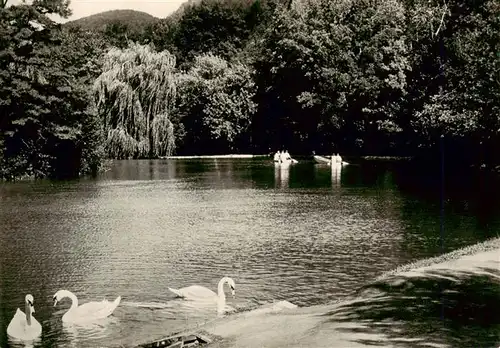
x=27, y=310
x=220, y=288
x=220, y=306
x=28, y=313
x=74, y=299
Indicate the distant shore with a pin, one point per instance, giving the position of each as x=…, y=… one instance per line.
x=215, y=156
x=387, y=158
x=368, y=158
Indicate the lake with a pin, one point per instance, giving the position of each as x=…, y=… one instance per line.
x=307, y=234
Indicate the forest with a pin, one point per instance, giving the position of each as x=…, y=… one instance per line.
x=355, y=77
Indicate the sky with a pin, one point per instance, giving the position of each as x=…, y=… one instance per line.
x=83, y=8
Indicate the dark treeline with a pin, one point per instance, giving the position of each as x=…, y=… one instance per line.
x=48, y=126
x=358, y=77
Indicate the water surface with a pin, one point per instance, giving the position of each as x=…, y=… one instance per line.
x=308, y=234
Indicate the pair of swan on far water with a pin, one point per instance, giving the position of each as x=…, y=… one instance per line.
x=25, y=327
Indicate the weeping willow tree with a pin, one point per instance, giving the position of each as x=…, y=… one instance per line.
x=135, y=95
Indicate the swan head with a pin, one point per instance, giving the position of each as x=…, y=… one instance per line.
x=57, y=297
x=30, y=303
x=232, y=285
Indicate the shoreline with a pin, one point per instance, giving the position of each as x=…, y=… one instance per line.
x=214, y=156
x=375, y=158
x=387, y=158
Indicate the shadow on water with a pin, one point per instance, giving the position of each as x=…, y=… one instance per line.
x=456, y=311
x=434, y=306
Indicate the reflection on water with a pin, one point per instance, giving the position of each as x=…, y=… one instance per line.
x=336, y=170
x=79, y=334
x=281, y=175
x=14, y=343
x=308, y=234
x=143, y=170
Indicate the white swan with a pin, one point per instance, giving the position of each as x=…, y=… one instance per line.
x=197, y=292
x=24, y=326
x=89, y=311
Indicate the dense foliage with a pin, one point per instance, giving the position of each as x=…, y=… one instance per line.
x=359, y=77
x=48, y=127
x=215, y=106
x=135, y=94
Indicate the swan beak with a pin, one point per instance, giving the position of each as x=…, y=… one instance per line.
x=32, y=309
x=55, y=303
x=233, y=292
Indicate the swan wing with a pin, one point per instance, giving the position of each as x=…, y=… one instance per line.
x=96, y=309
x=18, y=327
x=19, y=315
x=17, y=322
x=194, y=292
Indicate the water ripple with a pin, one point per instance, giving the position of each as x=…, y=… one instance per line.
x=149, y=225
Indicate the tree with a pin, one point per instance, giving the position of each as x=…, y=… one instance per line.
x=45, y=104
x=455, y=85
x=44, y=7
x=331, y=73
x=215, y=105
x=134, y=95
x=211, y=26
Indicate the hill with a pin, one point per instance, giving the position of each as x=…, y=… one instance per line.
x=134, y=20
